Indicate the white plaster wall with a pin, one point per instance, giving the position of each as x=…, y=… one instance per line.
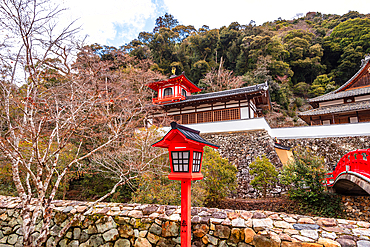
x=232, y=125
x=244, y=112
x=354, y=129
x=322, y=131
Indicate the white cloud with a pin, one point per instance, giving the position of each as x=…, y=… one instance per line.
x=114, y=22
x=221, y=13
x=101, y=19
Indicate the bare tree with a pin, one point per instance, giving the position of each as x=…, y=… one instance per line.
x=221, y=79
x=55, y=116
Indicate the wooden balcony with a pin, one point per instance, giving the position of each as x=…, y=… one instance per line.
x=167, y=99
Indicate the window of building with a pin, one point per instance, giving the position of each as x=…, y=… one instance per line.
x=209, y=116
x=183, y=92
x=349, y=100
x=167, y=92
x=353, y=120
x=325, y=122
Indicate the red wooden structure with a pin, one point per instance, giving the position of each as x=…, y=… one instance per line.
x=185, y=147
x=174, y=89
x=352, y=173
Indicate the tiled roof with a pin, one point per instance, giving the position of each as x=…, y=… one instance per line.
x=249, y=89
x=340, y=95
x=192, y=134
x=280, y=146
x=193, y=88
x=356, y=106
x=364, y=62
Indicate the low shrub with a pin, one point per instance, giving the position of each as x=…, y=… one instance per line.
x=304, y=177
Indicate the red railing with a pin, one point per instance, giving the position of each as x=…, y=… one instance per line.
x=357, y=161
x=168, y=99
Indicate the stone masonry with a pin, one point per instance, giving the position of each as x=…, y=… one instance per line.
x=116, y=225
x=241, y=148
x=331, y=148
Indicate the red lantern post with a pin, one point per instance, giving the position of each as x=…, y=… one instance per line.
x=185, y=148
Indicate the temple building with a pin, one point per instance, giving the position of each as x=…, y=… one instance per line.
x=175, y=98
x=348, y=104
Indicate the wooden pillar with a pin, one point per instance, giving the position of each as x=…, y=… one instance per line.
x=249, y=108
x=185, y=213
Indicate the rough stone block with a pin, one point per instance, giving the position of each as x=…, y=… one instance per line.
x=262, y=224
x=222, y=232
x=111, y=235
x=122, y=243
x=104, y=224
x=363, y=243
x=283, y=224
x=170, y=229
x=328, y=242
x=262, y=241
x=305, y=227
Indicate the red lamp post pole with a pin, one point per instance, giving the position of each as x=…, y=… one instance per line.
x=186, y=213
x=185, y=148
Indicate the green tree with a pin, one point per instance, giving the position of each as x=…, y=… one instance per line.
x=167, y=21
x=322, y=85
x=346, y=46
x=157, y=189
x=163, y=49
x=301, y=89
x=304, y=178
x=228, y=46
x=219, y=176
x=265, y=175
x=183, y=31
x=304, y=175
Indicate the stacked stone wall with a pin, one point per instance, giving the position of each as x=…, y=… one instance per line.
x=241, y=148
x=357, y=207
x=117, y=225
x=331, y=148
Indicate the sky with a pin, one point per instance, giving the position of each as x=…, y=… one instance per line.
x=117, y=22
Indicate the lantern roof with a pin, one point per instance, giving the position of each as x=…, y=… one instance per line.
x=188, y=134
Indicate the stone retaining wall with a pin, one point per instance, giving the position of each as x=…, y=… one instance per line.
x=114, y=224
x=241, y=148
x=357, y=207
x=331, y=148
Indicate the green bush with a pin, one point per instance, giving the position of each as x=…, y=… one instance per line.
x=219, y=176
x=265, y=175
x=219, y=181
x=91, y=187
x=157, y=189
x=304, y=177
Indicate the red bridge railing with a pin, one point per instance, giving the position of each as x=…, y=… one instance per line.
x=357, y=162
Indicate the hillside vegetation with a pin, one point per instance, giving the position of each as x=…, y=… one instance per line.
x=300, y=58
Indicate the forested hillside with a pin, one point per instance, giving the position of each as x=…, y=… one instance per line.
x=71, y=115
x=300, y=58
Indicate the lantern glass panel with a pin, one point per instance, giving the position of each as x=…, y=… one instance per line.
x=180, y=161
x=197, y=159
